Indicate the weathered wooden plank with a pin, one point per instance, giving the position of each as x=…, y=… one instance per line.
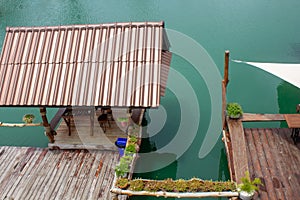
x=108, y=171
x=40, y=171
x=12, y=174
x=251, y=117
x=277, y=148
x=12, y=163
x=24, y=167
x=37, y=184
x=293, y=120
x=99, y=174
x=275, y=175
x=253, y=156
x=84, y=174
x=263, y=163
x=63, y=170
x=91, y=176
x=240, y=160
x=292, y=161
x=43, y=177
x=27, y=182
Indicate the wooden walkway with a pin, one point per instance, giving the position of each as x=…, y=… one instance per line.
x=36, y=173
x=80, y=137
x=269, y=154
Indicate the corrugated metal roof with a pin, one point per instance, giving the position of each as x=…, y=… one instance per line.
x=118, y=64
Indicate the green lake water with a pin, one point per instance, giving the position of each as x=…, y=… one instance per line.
x=262, y=31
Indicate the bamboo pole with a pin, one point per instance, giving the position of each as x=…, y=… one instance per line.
x=20, y=125
x=174, y=194
x=48, y=131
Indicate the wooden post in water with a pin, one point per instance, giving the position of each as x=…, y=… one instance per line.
x=48, y=131
x=226, y=66
x=224, y=87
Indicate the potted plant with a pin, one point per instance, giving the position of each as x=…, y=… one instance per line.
x=247, y=188
x=28, y=118
x=234, y=110
x=123, y=121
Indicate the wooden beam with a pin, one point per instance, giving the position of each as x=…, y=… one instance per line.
x=57, y=117
x=251, y=117
x=48, y=131
x=239, y=149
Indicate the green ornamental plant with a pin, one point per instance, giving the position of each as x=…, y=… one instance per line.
x=28, y=118
x=234, y=110
x=248, y=186
x=130, y=148
x=122, y=168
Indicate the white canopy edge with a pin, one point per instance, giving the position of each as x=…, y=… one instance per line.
x=287, y=71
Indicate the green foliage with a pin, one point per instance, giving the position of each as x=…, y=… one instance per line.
x=234, y=110
x=130, y=148
x=122, y=168
x=122, y=183
x=122, y=119
x=195, y=185
x=28, y=118
x=247, y=185
x=169, y=185
x=126, y=159
x=180, y=185
x=136, y=185
x=132, y=139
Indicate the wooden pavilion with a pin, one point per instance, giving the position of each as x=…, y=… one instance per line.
x=114, y=65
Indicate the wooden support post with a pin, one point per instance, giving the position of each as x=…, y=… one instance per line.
x=226, y=66
x=224, y=88
x=48, y=131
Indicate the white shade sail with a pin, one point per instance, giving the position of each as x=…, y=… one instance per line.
x=286, y=71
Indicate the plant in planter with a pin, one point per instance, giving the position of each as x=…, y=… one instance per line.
x=122, y=183
x=130, y=148
x=234, y=110
x=247, y=188
x=122, y=168
x=132, y=140
x=123, y=121
x=136, y=185
x=28, y=118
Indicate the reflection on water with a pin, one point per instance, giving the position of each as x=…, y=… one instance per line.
x=288, y=99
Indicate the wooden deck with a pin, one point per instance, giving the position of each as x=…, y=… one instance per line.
x=269, y=154
x=36, y=173
x=81, y=138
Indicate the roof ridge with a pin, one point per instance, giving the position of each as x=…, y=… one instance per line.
x=86, y=26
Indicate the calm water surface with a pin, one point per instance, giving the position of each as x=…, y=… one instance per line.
x=263, y=31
